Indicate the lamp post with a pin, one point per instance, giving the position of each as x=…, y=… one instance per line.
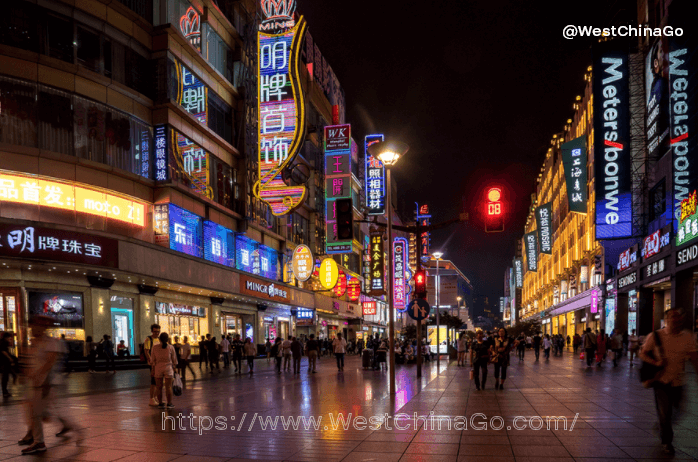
x=437, y=256
x=389, y=152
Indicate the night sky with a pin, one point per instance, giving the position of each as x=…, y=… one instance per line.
x=476, y=88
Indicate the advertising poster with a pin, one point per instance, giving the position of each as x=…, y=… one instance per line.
x=64, y=309
x=574, y=160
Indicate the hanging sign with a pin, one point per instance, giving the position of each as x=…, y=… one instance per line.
x=353, y=289
x=328, y=273
x=302, y=263
x=341, y=287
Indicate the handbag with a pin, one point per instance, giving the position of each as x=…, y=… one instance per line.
x=649, y=372
x=177, y=385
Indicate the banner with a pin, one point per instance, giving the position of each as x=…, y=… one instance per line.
x=531, y=243
x=614, y=212
x=544, y=215
x=518, y=272
x=574, y=161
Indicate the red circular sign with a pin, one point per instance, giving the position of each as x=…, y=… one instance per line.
x=341, y=287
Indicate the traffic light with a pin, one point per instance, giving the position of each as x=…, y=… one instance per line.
x=420, y=284
x=345, y=219
x=494, y=213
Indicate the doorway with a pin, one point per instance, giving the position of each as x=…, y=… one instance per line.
x=122, y=328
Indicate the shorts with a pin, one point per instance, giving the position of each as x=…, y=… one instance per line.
x=165, y=371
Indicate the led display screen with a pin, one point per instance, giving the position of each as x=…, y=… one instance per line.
x=614, y=212
x=63, y=309
x=574, y=160
x=219, y=244
x=544, y=216
x=375, y=179
x=657, y=98
x=244, y=248
x=186, y=231
x=268, y=262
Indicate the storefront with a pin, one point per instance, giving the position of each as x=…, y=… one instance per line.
x=122, y=321
x=570, y=316
x=178, y=319
x=627, y=307
x=305, y=322
x=9, y=313
x=685, y=287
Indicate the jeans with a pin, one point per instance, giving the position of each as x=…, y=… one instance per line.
x=480, y=364
x=503, y=367
x=203, y=357
x=589, y=355
x=109, y=359
x=296, y=364
x=666, y=398
x=237, y=361
x=576, y=347
x=616, y=356
x=250, y=363
x=521, y=352
x=340, y=360
x=546, y=353
x=536, y=350
x=278, y=363
x=226, y=359
x=287, y=362
x=312, y=360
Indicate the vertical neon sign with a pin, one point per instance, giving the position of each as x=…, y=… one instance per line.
x=399, y=267
x=375, y=179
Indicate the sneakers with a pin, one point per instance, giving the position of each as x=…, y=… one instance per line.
x=34, y=448
x=170, y=406
x=26, y=441
x=154, y=402
x=162, y=405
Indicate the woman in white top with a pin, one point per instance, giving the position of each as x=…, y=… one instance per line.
x=462, y=345
x=164, y=360
x=633, y=346
x=547, y=343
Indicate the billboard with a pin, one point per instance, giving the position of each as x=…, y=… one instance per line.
x=186, y=231
x=544, y=215
x=657, y=98
x=338, y=158
x=281, y=107
x=375, y=179
x=611, y=141
x=531, y=243
x=219, y=244
x=63, y=308
x=683, y=96
x=518, y=272
x=574, y=161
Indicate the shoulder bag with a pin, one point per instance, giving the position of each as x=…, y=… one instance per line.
x=650, y=372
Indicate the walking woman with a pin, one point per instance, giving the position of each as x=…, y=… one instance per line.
x=164, y=360
x=91, y=353
x=479, y=357
x=250, y=351
x=547, y=343
x=500, y=357
x=462, y=342
x=600, y=347
x=267, y=350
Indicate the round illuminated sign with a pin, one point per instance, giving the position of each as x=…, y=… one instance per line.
x=328, y=273
x=303, y=263
x=353, y=289
x=494, y=194
x=341, y=287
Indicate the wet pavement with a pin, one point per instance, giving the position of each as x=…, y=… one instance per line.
x=225, y=417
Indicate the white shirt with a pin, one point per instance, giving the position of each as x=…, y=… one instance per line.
x=225, y=345
x=547, y=343
x=286, y=345
x=339, y=345
x=461, y=344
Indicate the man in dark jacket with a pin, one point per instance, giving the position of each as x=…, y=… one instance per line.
x=313, y=350
x=297, y=352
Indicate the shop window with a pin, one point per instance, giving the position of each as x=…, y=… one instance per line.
x=88, y=49
x=58, y=38
x=217, y=53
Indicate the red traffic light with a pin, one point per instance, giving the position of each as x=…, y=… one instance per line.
x=420, y=283
x=494, y=217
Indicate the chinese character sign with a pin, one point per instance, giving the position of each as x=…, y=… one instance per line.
x=531, y=242
x=377, y=286
x=192, y=94
x=281, y=116
x=574, y=161
x=218, y=244
x=192, y=164
x=375, y=179
x=544, y=217
x=399, y=267
x=161, y=168
x=338, y=146
x=424, y=219
x=186, y=231
x=518, y=272
x=51, y=244
x=41, y=191
x=688, y=220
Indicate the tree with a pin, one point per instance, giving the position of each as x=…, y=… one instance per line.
x=410, y=331
x=527, y=327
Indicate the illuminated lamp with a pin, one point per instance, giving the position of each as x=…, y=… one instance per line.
x=388, y=152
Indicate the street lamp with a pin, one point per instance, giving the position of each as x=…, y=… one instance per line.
x=437, y=256
x=389, y=152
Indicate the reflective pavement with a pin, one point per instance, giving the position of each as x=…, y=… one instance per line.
x=615, y=417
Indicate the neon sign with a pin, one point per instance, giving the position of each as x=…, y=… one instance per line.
x=375, y=179
x=50, y=193
x=192, y=94
x=574, y=160
x=369, y=308
x=531, y=242
x=423, y=217
x=543, y=216
x=161, y=170
x=281, y=107
x=353, y=289
x=338, y=154
x=190, y=25
x=218, y=244
x=377, y=265
x=688, y=225
x=399, y=267
x=341, y=287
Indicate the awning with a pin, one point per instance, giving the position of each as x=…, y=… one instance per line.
x=572, y=304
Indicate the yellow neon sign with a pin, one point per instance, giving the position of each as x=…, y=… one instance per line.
x=37, y=190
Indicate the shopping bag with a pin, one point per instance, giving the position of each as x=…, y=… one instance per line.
x=581, y=355
x=177, y=385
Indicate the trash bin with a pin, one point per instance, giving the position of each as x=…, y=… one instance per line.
x=367, y=358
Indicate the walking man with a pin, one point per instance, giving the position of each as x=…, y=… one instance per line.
x=237, y=353
x=536, y=345
x=669, y=348
x=147, y=348
x=339, y=346
x=225, y=350
x=286, y=346
x=203, y=354
x=313, y=349
x=297, y=352
x=616, y=346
